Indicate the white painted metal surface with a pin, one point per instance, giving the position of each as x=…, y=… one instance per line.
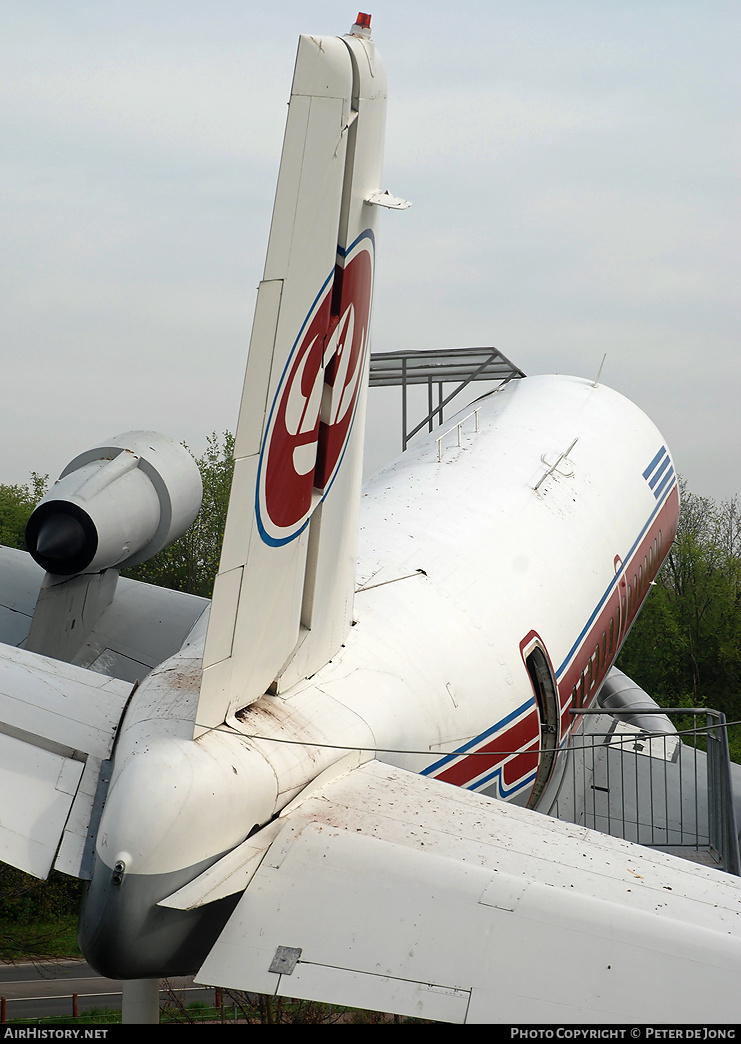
x=385, y=199
x=46, y=784
x=58, y=724
x=541, y=531
x=140, y=491
x=447, y=906
x=288, y=563
x=434, y=665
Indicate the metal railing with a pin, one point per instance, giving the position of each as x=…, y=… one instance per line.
x=669, y=791
x=459, y=428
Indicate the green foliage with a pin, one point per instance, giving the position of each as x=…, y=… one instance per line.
x=685, y=647
x=16, y=505
x=38, y=918
x=26, y=900
x=191, y=563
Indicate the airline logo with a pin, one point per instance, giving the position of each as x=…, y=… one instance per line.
x=659, y=472
x=312, y=414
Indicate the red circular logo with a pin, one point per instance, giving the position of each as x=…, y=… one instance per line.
x=314, y=407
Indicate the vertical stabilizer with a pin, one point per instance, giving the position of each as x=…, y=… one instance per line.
x=283, y=597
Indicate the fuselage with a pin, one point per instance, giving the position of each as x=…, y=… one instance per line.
x=497, y=580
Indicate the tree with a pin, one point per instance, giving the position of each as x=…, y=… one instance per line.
x=16, y=505
x=37, y=917
x=685, y=647
x=191, y=563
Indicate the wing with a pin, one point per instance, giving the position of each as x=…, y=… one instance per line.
x=58, y=720
x=455, y=907
x=57, y=732
x=137, y=627
x=19, y=591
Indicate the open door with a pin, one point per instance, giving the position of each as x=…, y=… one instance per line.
x=544, y=686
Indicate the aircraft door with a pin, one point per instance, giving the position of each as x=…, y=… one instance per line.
x=622, y=591
x=544, y=686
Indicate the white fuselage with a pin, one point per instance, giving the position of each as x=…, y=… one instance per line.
x=463, y=567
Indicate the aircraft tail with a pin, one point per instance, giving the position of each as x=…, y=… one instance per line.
x=283, y=597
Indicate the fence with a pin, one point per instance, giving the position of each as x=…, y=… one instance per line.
x=670, y=791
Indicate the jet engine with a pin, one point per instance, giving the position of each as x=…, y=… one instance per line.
x=116, y=505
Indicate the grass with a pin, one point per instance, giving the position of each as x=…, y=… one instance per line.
x=94, y=1017
x=43, y=940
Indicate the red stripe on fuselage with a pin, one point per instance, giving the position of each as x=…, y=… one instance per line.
x=524, y=735
x=517, y=737
x=666, y=522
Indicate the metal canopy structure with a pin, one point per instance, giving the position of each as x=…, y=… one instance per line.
x=439, y=366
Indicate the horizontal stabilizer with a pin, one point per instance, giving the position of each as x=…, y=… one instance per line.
x=447, y=905
x=58, y=726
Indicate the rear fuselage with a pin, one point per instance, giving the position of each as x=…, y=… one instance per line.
x=494, y=592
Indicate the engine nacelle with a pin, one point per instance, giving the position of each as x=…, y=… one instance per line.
x=116, y=505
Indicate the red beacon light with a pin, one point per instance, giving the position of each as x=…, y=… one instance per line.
x=362, y=26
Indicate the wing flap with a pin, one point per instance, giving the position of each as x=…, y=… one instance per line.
x=438, y=1003
x=433, y=895
x=74, y=856
x=66, y=706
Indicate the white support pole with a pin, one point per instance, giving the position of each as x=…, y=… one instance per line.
x=141, y=1002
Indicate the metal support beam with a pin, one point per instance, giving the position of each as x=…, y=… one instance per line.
x=458, y=366
x=141, y=1002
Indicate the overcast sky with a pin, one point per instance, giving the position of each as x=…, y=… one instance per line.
x=573, y=167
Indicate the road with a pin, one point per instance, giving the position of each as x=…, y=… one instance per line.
x=44, y=988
